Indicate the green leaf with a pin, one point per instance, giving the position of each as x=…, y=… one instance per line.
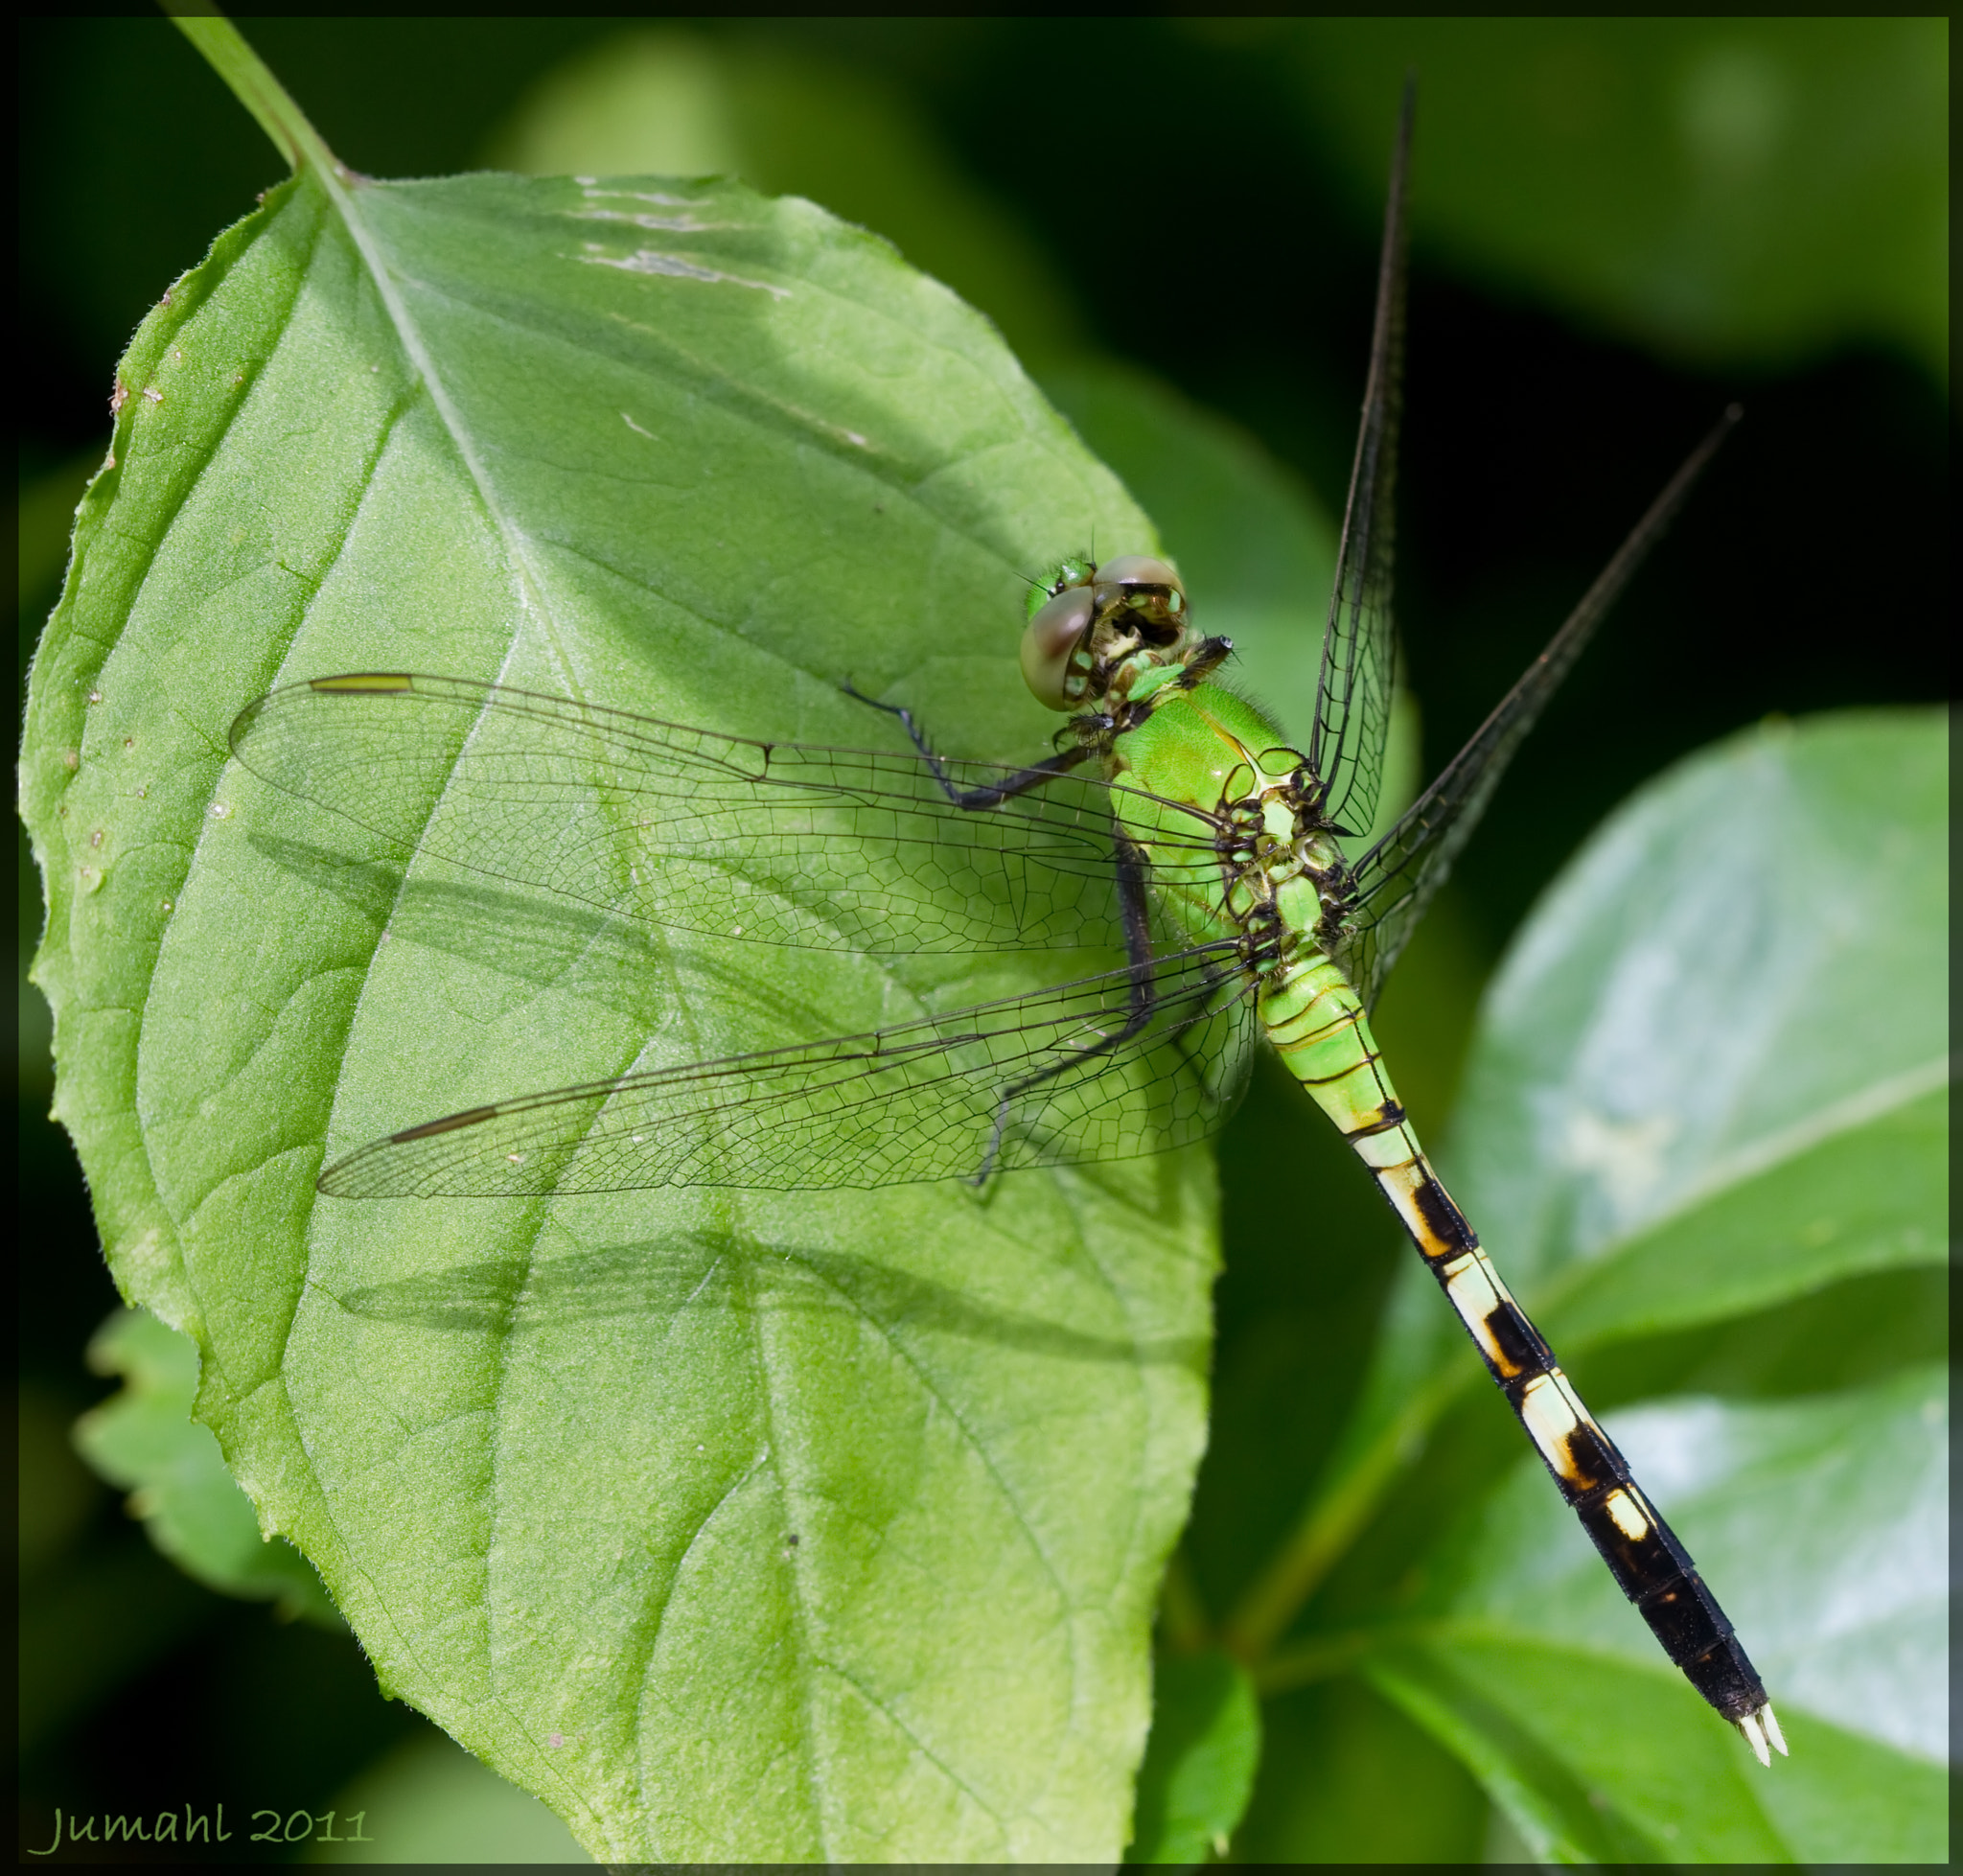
x=1200, y=1760
x=1826, y=1519
x=1736, y=190
x=427, y=1802
x=144, y=1441
x=736, y=1526
x=1663, y=1124
x=1348, y=1778
x=1673, y=1114
x=670, y=101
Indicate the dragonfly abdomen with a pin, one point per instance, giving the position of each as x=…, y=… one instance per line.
x=1318, y=1025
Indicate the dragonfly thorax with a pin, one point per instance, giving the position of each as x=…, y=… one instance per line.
x=1284, y=876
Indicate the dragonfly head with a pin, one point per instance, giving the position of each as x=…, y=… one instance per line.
x=1093, y=628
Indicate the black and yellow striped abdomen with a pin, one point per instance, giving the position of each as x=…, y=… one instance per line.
x=1318, y=1025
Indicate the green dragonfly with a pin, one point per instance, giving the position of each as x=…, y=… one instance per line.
x=1174, y=827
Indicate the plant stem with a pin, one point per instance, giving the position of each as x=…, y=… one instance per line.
x=1183, y=1624
x=247, y=76
x=1321, y=1658
x=1328, y=1525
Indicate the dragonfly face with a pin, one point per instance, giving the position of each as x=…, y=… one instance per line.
x=1095, y=629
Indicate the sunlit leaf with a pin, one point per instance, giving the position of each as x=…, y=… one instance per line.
x=733, y=1526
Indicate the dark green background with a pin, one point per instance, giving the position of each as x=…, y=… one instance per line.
x=1209, y=222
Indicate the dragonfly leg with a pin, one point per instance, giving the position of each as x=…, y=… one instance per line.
x=1140, y=998
x=1019, y=783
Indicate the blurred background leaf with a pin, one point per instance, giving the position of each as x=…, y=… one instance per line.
x=1734, y=191
x=1745, y=205
x=429, y=1802
x=144, y=1441
x=1201, y=1759
x=1528, y=1661
x=670, y=101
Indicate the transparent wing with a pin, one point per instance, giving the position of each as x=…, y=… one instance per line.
x=783, y=842
x=1058, y=1075
x=1352, y=715
x=1394, y=882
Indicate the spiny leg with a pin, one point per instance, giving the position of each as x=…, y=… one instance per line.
x=1134, y=912
x=973, y=799
x=1131, y=869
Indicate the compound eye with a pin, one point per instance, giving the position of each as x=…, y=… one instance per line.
x=1137, y=570
x=1143, y=582
x=1054, y=633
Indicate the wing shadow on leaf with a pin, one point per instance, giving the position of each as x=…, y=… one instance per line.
x=544, y=942
x=525, y=936
x=654, y=1279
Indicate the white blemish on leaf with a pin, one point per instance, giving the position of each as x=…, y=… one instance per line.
x=1625, y=1157
x=594, y=192
x=671, y=225
x=638, y=432
x=671, y=266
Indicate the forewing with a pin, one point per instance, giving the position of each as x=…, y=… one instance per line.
x=1394, y=882
x=782, y=843
x=1055, y=1076
x=1352, y=716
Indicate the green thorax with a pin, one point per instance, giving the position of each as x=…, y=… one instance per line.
x=1179, y=745
x=1225, y=812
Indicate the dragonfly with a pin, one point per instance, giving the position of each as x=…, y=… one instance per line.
x=1173, y=825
